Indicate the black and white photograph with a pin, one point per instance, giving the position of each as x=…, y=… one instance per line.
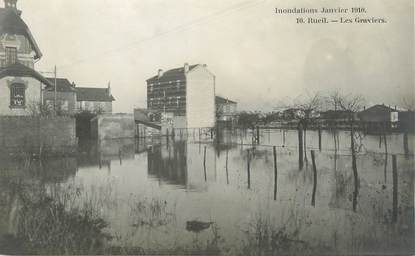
x=207, y=127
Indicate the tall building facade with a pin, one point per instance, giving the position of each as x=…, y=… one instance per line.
x=184, y=96
x=20, y=85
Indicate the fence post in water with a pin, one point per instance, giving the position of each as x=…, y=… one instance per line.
x=300, y=148
x=405, y=145
x=283, y=138
x=249, y=169
x=319, y=138
x=204, y=163
x=274, y=151
x=354, y=167
x=395, y=189
x=227, y=173
x=257, y=135
x=313, y=197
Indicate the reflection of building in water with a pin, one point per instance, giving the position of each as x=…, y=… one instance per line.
x=168, y=163
x=100, y=153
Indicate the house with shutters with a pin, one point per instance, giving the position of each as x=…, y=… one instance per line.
x=20, y=85
x=66, y=103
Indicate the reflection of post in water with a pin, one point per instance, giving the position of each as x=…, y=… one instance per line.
x=274, y=151
x=313, y=197
x=204, y=163
x=380, y=141
x=226, y=167
x=405, y=145
x=120, y=156
x=395, y=189
x=319, y=138
x=354, y=167
x=300, y=148
x=249, y=168
x=100, y=159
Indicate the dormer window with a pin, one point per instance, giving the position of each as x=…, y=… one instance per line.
x=11, y=55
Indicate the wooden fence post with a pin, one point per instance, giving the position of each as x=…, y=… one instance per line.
x=204, y=163
x=300, y=148
x=313, y=197
x=249, y=169
x=274, y=151
x=395, y=189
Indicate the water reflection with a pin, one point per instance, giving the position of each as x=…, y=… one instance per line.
x=169, y=163
x=186, y=195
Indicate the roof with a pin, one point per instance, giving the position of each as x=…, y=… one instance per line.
x=172, y=74
x=93, y=94
x=12, y=23
x=21, y=70
x=221, y=100
x=380, y=107
x=62, y=85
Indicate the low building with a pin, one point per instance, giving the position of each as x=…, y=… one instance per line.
x=226, y=109
x=337, y=115
x=379, y=113
x=185, y=96
x=65, y=96
x=96, y=100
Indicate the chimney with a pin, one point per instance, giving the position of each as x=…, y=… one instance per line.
x=11, y=4
x=160, y=73
x=109, y=89
x=186, y=67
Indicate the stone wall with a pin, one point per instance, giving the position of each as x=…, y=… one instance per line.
x=37, y=134
x=113, y=126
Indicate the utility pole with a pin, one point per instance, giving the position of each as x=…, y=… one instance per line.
x=54, y=102
x=55, y=83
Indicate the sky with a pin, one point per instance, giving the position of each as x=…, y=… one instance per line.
x=259, y=58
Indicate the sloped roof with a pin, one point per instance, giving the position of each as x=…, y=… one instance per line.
x=21, y=70
x=378, y=107
x=62, y=85
x=221, y=100
x=93, y=94
x=12, y=23
x=172, y=74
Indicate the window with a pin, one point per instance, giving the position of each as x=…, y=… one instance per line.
x=11, y=55
x=64, y=105
x=17, y=95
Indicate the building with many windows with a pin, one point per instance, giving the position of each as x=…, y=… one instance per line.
x=20, y=85
x=184, y=96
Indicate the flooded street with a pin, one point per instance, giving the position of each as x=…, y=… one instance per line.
x=225, y=196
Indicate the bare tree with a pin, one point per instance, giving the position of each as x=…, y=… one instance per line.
x=351, y=103
x=308, y=107
x=408, y=102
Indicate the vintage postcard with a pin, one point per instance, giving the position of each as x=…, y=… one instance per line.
x=207, y=127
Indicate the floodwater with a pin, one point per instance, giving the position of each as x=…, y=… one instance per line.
x=223, y=196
